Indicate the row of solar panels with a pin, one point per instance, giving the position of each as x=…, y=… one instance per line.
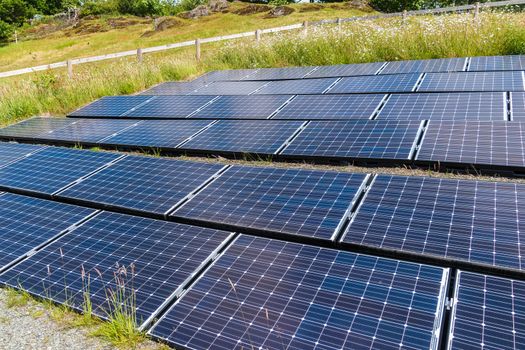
x=260, y=292
x=492, y=63
x=484, y=144
x=417, y=106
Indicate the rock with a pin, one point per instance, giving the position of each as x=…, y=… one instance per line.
x=199, y=11
x=218, y=5
x=252, y=9
x=279, y=11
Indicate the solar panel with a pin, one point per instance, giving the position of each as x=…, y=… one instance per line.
x=474, y=142
x=53, y=168
x=244, y=136
x=424, y=66
x=149, y=260
x=488, y=313
x=171, y=106
x=376, y=84
x=88, y=130
x=279, y=73
x=495, y=63
x=242, y=107
x=110, y=106
x=346, y=70
x=10, y=152
x=472, y=221
x=174, y=88
x=472, y=81
x=267, y=294
x=229, y=88
x=356, y=139
x=293, y=87
x=517, y=106
x=331, y=107
x=27, y=223
x=297, y=202
x=152, y=185
x=30, y=128
x=157, y=133
x=225, y=75
x=446, y=106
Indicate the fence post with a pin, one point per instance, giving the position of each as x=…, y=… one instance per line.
x=405, y=15
x=139, y=55
x=476, y=10
x=258, y=36
x=16, y=37
x=339, y=22
x=70, y=69
x=305, y=28
x=198, y=50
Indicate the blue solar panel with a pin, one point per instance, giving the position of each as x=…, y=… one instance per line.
x=242, y=107
x=53, y=168
x=473, y=221
x=157, y=133
x=244, y=136
x=331, y=107
x=495, y=63
x=346, y=70
x=474, y=142
x=376, y=84
x=174, y=88
x=145, y=184
x=443, y=106
x=356, y=139
x=10, y=152
x=229, y=88
x=517, y=106
x=88, y=130
x=111, y=106
x=150, y=259
x=297, y=202
x=30, y=128
x=170, y=107
x=267, y=294
x=28, y=223
x=225, y=75
x=489, y=313
x=279, y=73
x=293, y=87
x=423, y=66
x=472, y=81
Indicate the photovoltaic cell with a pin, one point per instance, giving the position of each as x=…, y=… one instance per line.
x=145, y=184
x=346, y=70
x=110, y=106
x=517, y=105
x=242, y=107
x=297, y=202
x=157, y=133
x=472, y=81
x=474, y=142
x=10, y=152
x=356, y=139
x=446, y=106
x=269, y=294
x=331, y=107
x=296, y=87
x=229, y=88
x=53, y=168
x=279, y=73
x=171, y=106
x=489, y=313
x=174, y=88
x=424, y=66
x=30, y=128
x=225, y=75
x=88, y=130
x=27, y=223
x=472, y=221
x=152, y=259
x=376, y=84
x=243, y=136
x=495, y=63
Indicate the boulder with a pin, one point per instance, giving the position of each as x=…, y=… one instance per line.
x=199, y=11
x=279, y=11
x=218, y=5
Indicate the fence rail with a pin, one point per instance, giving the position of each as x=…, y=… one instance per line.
x=257, y=35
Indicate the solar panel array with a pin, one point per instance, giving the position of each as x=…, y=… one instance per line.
x=112, y=106
x=472, y=81
x=425, y=66
x=242, y=107
x=376, y=84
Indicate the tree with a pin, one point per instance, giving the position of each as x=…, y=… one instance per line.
x=15, y=12
x=397, y=5
x=6, y=31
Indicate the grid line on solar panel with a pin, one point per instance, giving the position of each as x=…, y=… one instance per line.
x=304, y=203
x=31, y=128
x=88, y=130
x=153, y=185
x=269, y=294
x=472, y=82
x=171, y=106
x=517, y=106
x=445, y=106
x=497, y=63
x=242, y=107
x=152, y=259
x=376, y=84
x=394, y=140
x=174, y=88
x=225, y=75
x=229, y=88
x=280, y=73
x=11, y=152
x=425, y=66
x=344, y=70
x=111, y=106
x=330, y=107
x=296, y=87
x=485, y=143
x=488, y=313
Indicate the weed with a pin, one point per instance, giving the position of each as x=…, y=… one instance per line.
x=17, y=298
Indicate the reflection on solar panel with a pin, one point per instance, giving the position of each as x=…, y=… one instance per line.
x=279, y=73
x=292, y=87
x=356, y=139
x=153, y=259
x=267, y=294
x=298, y=202
x=157, y=133
x=472, y=81
x=378, y=84
x=146, y=184
x=494, y=63
x=422, y=66
x=29, y=129
x=242, y=136
x=229, y=88
x=443, y=106
x=88, y=130
x=27, y=223
x=110, y=106
x=174, y=88
x=488, y=313
x=245, y=107
x=346, y=70
x=474, y=142
x=473, y=221
x=171, y=106
x=10, y=152
x=53, y=168
x=331, y=107
x=225, y=75
x=517, y=105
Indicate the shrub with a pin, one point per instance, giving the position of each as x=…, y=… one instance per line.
x=6, y=31
x=397, y=5
x=15, y=12
x=100, y=7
